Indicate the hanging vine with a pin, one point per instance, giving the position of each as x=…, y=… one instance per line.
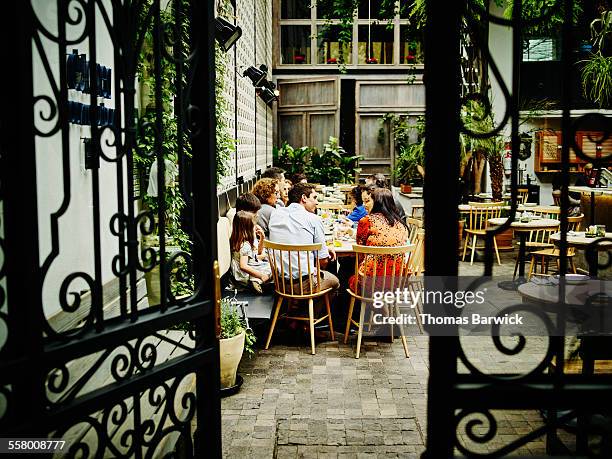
x=226, y=145
x=145, y=151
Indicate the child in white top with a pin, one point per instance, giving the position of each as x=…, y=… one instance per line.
x=249, y=265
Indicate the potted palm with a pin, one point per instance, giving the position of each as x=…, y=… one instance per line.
x=236, y=338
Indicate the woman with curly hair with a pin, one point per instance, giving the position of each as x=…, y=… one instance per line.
x=268, y=192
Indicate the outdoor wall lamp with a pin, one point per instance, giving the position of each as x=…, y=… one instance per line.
x=256, y=75
x=272, y=87
x=266, y=95
x=226, y=33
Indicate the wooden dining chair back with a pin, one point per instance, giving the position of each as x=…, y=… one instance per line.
x=477, y=224
x=545, y=255
x=296, y=271
x=377, y=270
x=522, y=195
x=574, y=223
x=416, y=262
x=547, y=211
x=414, y=225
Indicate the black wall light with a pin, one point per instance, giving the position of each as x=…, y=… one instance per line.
x=226, y=33
x=256, y=75
x=266, y=95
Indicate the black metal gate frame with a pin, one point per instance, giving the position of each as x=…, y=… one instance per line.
x=33, y=351
x=454, y=397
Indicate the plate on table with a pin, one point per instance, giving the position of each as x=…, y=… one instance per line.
x=575, y=279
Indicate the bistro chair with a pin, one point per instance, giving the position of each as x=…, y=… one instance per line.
x=540, y=239
x=395, y=264
x=477, y=224
x=522, y=195
x=414, y=225
x=293, y=287
x=546, y=255
x=416, y=268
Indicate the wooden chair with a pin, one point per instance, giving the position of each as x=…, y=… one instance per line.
x=523, y=195
x=385, y=257
x=540, y=239
x=546, y=255
x=292, y=285
x=414, y=225
x=416, y=266
x=477, y=224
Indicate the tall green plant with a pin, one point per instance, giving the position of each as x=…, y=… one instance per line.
x=482, y=149
x=293, y=160
x=332, y=165
x=409, y=155
x=596, y=72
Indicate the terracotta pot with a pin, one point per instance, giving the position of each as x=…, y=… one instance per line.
x=230, y=353
x=405, y=188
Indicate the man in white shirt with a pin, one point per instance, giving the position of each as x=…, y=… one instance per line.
x=298, y=224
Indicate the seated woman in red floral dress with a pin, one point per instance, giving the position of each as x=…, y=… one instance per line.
x=382, y=227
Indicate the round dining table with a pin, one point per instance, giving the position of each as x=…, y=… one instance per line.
x=578, y=240
x=523, y=229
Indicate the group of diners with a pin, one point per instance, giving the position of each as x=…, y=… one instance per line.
x=285, y=212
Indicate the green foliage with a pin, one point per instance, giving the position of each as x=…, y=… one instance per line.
x=409, y=154
x=226, y=145
x=232, y=324
x=532, y=10
x=293, y=160
x=476, y=120
x=597, y=79
x=601, y=30
x=333, y=165
x=596, y=72
x=145, y=151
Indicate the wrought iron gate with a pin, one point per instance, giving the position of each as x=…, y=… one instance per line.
x=470, y=396
x=113, y=375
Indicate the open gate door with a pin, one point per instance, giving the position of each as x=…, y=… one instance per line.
x=85, y=355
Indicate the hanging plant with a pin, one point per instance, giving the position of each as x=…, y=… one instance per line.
x=226, y=144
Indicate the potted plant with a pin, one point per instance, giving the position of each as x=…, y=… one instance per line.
x=372, y=60
x=236, y=337
x=299, y=58
x=332, y=60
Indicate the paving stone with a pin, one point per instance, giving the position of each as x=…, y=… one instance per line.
x=331, y=405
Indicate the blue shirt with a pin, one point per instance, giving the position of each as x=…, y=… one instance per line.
x=358, y=213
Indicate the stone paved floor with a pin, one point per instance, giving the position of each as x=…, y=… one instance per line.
x=331, y=405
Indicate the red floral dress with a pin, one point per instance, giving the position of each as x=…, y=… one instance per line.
x=374, y=230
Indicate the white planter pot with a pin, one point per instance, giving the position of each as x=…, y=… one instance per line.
x=230, y=353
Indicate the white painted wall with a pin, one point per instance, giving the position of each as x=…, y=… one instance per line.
x=500, y=46
x=75, y=227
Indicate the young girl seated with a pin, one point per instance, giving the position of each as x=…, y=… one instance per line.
x=248, y=262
